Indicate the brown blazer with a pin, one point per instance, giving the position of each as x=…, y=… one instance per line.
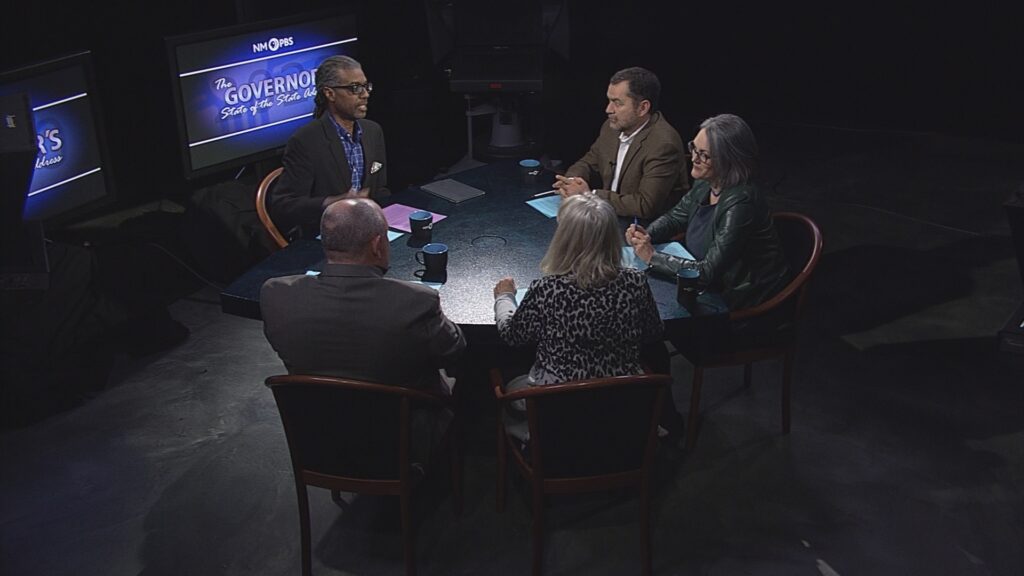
x=352, y=322
x=655, y=171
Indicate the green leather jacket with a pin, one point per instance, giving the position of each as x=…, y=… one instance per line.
x=744, y=258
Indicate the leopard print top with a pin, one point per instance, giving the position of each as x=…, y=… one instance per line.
x=583, y=333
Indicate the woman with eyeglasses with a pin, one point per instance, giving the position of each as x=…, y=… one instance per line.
x=727, y=225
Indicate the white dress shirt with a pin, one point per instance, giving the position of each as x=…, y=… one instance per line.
x=624, y=142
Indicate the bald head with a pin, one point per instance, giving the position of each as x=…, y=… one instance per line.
x=354, y=231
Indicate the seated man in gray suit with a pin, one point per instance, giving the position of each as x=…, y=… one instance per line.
x=637, y=163
x=340, y=154
x=350, y=321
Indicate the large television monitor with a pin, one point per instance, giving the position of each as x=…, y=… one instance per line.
x=71, y=172
x=240, y=92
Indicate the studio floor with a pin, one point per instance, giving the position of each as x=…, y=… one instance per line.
x=906, y=454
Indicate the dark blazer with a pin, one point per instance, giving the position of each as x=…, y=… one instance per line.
x=315, y=167
x=352, y=322
x=654, y=173
x=744, y=257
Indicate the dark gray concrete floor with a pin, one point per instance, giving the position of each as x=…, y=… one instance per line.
x=906, y=454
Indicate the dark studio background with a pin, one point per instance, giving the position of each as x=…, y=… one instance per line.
x=136, y=436
x=852, y=65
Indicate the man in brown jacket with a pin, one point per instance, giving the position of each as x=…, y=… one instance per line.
x=638, y=162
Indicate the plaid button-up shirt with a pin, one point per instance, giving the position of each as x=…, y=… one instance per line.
x=353, y=144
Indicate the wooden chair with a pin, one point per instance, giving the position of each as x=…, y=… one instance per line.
x=346, y=435
x=802, y=244
x=261, y=207
x=585, y=436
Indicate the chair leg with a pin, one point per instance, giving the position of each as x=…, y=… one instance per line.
x=645, y=526
x=455, y=453
x=304, y=529
x=692, y=425
x=787, y=380
x=538, y=528
x=748, y=372
x=408, y=533
x=502, y=464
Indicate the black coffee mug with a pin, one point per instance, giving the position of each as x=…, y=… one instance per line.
x=435, y=257
x=687, y=288
x=529, y=169
x=421, y=224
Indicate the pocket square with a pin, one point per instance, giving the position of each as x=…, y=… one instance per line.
x=375, y=167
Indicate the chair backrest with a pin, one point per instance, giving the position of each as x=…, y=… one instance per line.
x=594, y=427
x=261, y=207
x=801, y=244
x=346, y=428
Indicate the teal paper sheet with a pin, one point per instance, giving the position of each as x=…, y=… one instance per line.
x=547, y=205
x=630, y=260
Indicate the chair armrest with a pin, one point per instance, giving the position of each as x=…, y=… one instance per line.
x=581, y=385
x=498, y=384
x=414, y=394
x=755, y=311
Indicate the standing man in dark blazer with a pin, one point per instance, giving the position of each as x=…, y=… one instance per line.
x=340, y=154
x=638, y=163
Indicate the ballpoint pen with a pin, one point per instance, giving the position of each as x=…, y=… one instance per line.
x=537, y=195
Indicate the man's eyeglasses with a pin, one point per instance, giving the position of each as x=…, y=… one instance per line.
x=355, y=89
x=700, y=155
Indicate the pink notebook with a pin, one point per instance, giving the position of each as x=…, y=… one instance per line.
x=398, y=216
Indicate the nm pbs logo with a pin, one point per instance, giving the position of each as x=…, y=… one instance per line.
x=272, y=45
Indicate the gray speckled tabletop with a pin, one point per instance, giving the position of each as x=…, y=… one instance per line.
x=488, y=238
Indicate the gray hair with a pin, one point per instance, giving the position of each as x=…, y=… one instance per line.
x=643, y=84
x=586, y=243
x=733, y=149
x=327, y=75
x=348, y=226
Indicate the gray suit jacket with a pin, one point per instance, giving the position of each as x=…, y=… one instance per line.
x=315, y=167
x=351, y=322
x=654, y=173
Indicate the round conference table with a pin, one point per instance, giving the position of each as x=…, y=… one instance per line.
x=488, y=237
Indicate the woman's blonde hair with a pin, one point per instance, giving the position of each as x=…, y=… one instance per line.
x=586, y=242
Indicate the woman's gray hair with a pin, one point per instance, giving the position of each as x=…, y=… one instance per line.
x=733, y=150
x=587, y=242
x=348, y=226
x=327, y=75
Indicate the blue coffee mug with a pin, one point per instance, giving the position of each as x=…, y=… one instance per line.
x=421, y=223
x=434, y=257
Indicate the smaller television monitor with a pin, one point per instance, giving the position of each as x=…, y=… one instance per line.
x=241, y=92
x=499, y=46
x=70, y=175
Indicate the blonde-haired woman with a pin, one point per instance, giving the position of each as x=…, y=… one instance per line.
x=588, y=315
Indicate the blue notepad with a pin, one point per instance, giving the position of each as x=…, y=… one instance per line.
x=630, y=260
x=674, y=249
x=434, y=285
x=392, y=235
x=547, y=205
x=520, y=294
